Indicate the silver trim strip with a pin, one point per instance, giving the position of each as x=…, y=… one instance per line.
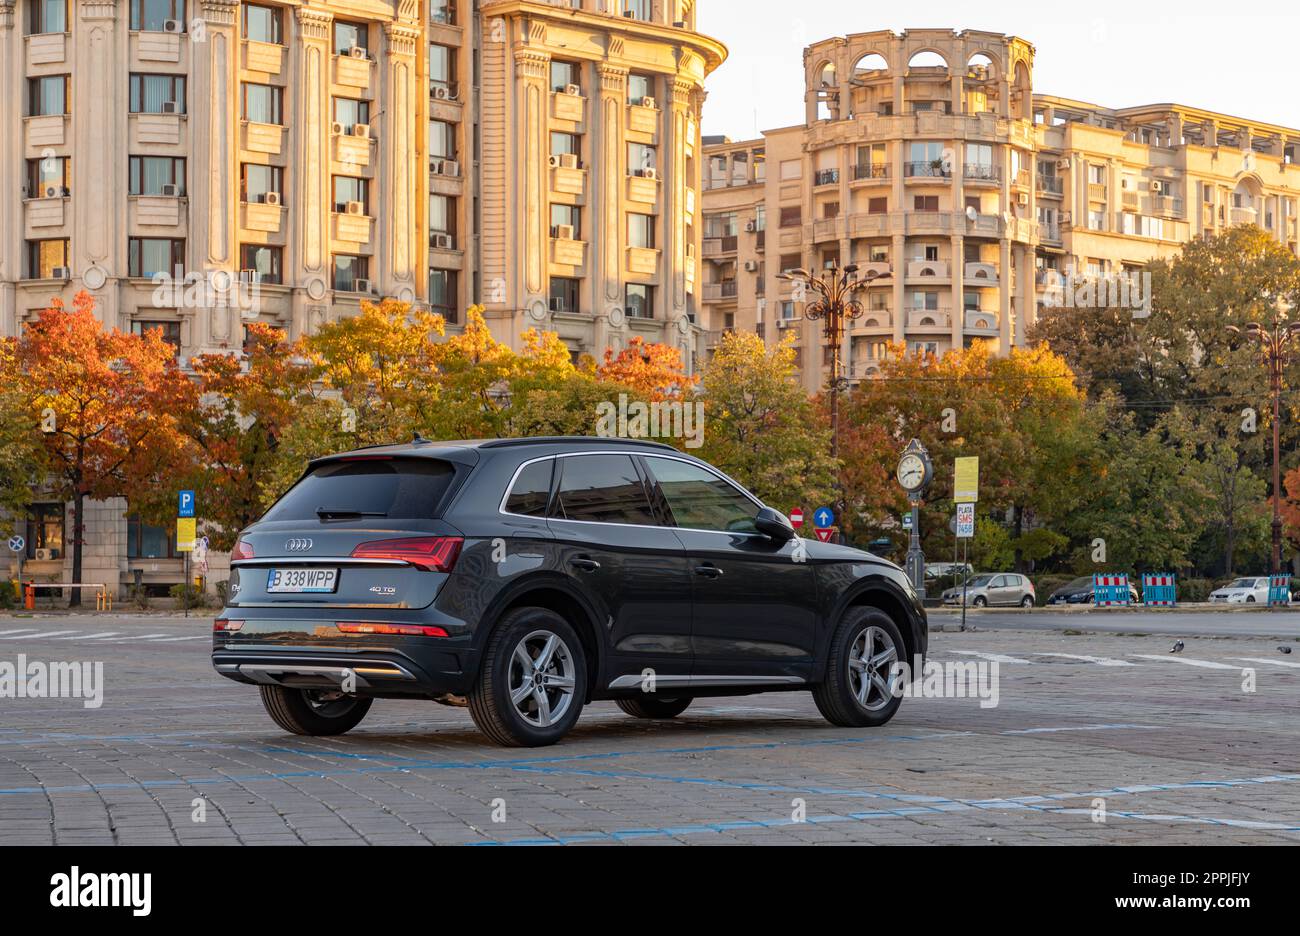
x=631, y=681
x=316, y=560
x=263, y=672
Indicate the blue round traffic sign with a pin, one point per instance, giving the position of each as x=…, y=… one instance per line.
x=824, y=517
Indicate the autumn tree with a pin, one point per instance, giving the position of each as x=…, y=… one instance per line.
x=109, y=406
x=654, y=371
x=21, y=448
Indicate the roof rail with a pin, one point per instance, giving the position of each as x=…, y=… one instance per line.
x=569, y=440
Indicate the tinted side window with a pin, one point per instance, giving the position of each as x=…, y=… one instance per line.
x=701, y=500
x=602, y=489
x=531, y=489
x=396, y=488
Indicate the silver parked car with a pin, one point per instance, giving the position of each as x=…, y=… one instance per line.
x=994, y=588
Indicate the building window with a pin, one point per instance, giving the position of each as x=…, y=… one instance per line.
x=170, y=332
x=639, y=301
x=349, y=271
x=787, y=310
x=145, y=541
x=565, y=75
x=791, y=216
x=925, y=301
x=263, y=261
x=442, y=12
x=641, y=230
x=640, y=87
x=926, y=159
x=442, y=214
x=153, y=15
x=263, y=24
x=47, y=16
x=641, y=158
x=44, y=528
x=442, y=140
x=46, y=256
x=262, y=103
x=878, y=205
x=348, y=189
x=48, y=96
x=830, y=210
x=349, y=36
x=256, y=181
x=157, y=94
x=569, y=216
x=564, y=294
x=148, y=175
x=150, y=256
x=637, y=9
x=50, y=177
x=442, y=71
x=925, y=202
x=565, y=144
x=443, y=296
x=350, y=112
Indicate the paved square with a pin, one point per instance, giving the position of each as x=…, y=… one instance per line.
x=1170, y=744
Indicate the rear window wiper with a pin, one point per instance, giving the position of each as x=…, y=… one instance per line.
x=346, y=513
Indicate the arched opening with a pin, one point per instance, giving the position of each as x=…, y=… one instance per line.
x=871, y=65
x=926, y=60
x=826, y=78
x=981, y=67
x=1022, y=94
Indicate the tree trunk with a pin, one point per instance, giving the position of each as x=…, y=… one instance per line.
x=78, y=518
x=1019, y=564
x=1229, y=545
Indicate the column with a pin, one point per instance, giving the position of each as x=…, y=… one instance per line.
x=607, y=178
x=398, y=249
x=896, y=250
x=674, y=197
x=307, y=261
x=1028, y=312
x=958, y=272
x=531, y=229
x=1004, y=296
x=10, y=170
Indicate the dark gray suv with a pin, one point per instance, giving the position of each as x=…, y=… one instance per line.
x=524, y=578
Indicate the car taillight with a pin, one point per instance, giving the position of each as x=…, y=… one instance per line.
x=436, y=553
x=401, y=630
x=223, y=625
x=241, y=551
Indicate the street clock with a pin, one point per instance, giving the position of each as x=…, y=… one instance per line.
x=914, y=468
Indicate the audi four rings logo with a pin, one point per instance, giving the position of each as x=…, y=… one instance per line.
x=297, y=545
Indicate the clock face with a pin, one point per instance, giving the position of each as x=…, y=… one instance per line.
x=911, y=472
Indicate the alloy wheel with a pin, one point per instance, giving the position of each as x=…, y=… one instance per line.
x=870, y=659
x=542, y=678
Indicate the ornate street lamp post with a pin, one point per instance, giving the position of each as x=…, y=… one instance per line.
x=834, y=301
x=1276, y=347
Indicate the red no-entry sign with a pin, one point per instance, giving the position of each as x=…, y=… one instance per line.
x=796, y=517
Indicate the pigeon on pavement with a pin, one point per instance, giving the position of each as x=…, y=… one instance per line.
x=1285, y=649
x=1177, y=647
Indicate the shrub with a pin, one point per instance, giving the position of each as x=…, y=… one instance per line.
x=9, y=594
x=140, y=595
x=187, y=596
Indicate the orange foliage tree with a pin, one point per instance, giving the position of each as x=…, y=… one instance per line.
x=648, y=369
x=108, y=405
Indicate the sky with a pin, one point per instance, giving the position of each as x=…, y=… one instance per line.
x=1115, y=54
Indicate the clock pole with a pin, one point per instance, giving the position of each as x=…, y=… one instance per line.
x=914, y=473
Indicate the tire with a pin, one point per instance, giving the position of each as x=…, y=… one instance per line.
x=1250, y=599
x=651, y=707
x=836, y=696
x=1027, y=601
x=562, y=683
x=980, y=601
x=312, y=711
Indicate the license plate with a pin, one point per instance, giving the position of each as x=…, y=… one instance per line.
x=301, y=581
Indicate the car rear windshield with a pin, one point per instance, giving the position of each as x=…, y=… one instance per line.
x=366, y=488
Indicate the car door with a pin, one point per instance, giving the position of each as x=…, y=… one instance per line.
x=632, y=570
x=754, y=599
x=999, y=592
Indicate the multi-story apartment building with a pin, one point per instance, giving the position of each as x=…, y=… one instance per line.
x=927, y=160
x=197, y=164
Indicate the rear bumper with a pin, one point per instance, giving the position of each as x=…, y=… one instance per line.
x=422, y=671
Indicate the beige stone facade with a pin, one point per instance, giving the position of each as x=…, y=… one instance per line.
x=197, y=164
x=927, y=158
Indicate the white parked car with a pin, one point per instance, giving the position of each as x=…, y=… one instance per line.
x=1243, y=590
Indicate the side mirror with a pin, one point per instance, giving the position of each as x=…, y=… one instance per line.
x=773, y=525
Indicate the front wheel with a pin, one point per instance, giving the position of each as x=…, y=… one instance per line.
x=980, y=601
x=859, y=688
x=1027, y=601
x=313, y=711
x=531, y=688
x=650, y=707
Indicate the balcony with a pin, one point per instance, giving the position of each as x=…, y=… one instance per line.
x=927, y=270
x=444, y=92
x=984, y=225
x=642, y=261
x=568, y=252
x=351, y=228
x=873, y=321
x=567, y=179
x=827, y=229
x=351, y=147
x=157, y=128
x=1050, y=232
x=928, y=320
x=643, y=188
x=983, y=321
x=566, y=106
x=155, y=211
x=980, y=274
x=154, y=46
x=48, y=48
x=642, y=119
x=720, y=246
x=933, y=170
x=265, y=57
x=1050, y=185
x=1022, y=179
x=1096, y=192
x=879, y=269
x=45, y=131
x=1242, y=215
x=979, y=172
x=717, y=292
x=259, y=216
x=261, y=137
x=46, y=212
x=1167, y=206
x=865, y=171
x=826, y=177
x=864, y=224
x=352, y=71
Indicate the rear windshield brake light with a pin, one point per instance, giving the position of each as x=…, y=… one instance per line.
x=401, y=630
x=431, y=553
x=242, y=550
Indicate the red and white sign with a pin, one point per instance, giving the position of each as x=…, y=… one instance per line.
x=826, y=533
x=796, y=517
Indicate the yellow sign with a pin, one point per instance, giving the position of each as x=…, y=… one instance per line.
x=966, y=480
x=185, y=534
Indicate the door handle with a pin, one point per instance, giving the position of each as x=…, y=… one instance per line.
x=584, y=563
x=708, y=571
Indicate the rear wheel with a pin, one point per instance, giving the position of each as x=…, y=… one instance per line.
x=651, y=707
x=531, y=688
x=859, y=688
x=1027, y=601
x=313, y=711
